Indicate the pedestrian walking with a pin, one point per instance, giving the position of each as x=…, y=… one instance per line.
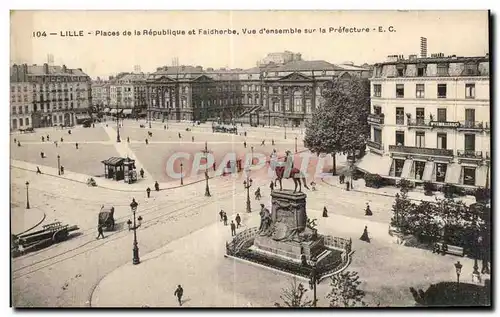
x=43, y=139
x=258, y=196
x=38, y=171
x=221, y=214
x=62, y=170
x=364, y=236
x=179, y=292
x=244, y=144
x=271, y=186
x=214, y=166
x=42, y=155
x=233, y=228
x=15, y=141
x=100, y=232
x=141, y=172
x=48, y=138
x=128, y=140
x=76, y=144
x=347, y=186
x=263, y=143
x=368, y=211
x=238, y=220
x=69, y=132
x=164, y=127
x=313, y=186
x=180, y=135
x=93, y=125
x=342, y=178
x=147, y=142
x=272, y=142
x=325, y=212
x=62, y=140
x=55, y=142
x=192, y=139
x=148, y=191
x=225, y=219
x=157, y=186
x=18, y=143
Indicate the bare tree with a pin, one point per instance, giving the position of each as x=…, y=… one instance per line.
x=294, y=296
x=344, y=290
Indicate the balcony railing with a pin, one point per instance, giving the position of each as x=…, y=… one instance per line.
x=470, y=154
x=445, y=124
x=418, y=123
x=420, y=150
x=472, y=125
x=375, y=145
x=376, y=118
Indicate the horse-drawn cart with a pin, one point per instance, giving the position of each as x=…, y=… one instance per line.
x=106, y=217
x=51, y=233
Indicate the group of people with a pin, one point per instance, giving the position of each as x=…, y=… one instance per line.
x=223, y=218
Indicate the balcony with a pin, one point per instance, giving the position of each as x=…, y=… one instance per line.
x=420, y=150
x=445, y=124
x=375, y=145
x=418, y=123
x=376, y=118
x=472, y=125
x=471, y=154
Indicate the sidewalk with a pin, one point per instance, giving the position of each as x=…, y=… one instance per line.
x=101, y=182
x=23, y=220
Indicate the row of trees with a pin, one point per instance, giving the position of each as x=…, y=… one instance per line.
x=339, y=124
x=344, y=292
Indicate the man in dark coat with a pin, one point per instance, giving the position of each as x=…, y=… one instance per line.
x=238, y=220
x=325, y=212
x=221, y=214
x=100, y=231
x=157, y=186
x=225, y=219
x=179, y=292
x=271, y=186
x=245, y=144
x=38, y=171
x=141, y=172
x=233, y=228
x=258, y=196
x=148, y=191
x=76, y=145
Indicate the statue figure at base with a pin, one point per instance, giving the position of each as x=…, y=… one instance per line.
x=265, y=220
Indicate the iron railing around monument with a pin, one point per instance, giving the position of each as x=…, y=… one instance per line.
x=235, y=245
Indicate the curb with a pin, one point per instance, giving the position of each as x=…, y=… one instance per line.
x=37, y=224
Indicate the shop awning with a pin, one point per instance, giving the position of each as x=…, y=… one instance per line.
x=428, y=170
x=453, y=173
x=127, y=111
x=481, y=175
x=405, y=173
x=375, y=164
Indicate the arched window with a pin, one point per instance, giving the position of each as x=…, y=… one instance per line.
x=297, y=101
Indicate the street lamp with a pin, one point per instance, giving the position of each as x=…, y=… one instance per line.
x=27, y=196
x=284, y=124
x=247, y=184
x=251, y=158
x=207, y=189
x=117, y=125
x=313, y=278
x=182, y=181
x=296, y=145
x=133, y=207
x=458, y=268
x=58, y=164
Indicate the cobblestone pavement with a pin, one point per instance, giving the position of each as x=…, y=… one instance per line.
x=181, y=241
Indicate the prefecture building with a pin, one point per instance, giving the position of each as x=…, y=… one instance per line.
x=46, y=95
x=430, y=120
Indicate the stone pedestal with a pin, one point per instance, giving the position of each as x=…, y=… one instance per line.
x=289, y=236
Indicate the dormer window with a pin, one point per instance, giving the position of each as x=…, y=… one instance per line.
x=421, y=70
x=442, y=69
x=401, y=70
x=471, y=69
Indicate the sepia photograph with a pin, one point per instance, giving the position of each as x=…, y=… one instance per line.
x=250, y=159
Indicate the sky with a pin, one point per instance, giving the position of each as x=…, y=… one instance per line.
x=463, y=33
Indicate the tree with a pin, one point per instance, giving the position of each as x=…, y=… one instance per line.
x=294, y=296
x=402, y=208
x=339, y=124
x=344, y=290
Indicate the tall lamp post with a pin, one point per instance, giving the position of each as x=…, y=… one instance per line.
x=284, y=124
x=207, y=189
x=118, y=140
x=458, y=268
x=313, y=278
x=182, y=180
x=58, y=164
x=133, y=207
x=27, y=196
x=251, y=158
x=247, y=184
x=296, y=145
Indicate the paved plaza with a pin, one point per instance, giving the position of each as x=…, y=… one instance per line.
x=181, y=240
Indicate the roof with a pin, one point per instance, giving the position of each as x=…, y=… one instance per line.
x=132, y=77
x=53, y=70
x=427, y=60
x=305, y=65
x=173, y=70
x=114, y=161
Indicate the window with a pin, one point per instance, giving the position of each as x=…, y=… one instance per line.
x=441, y=115
x=20, y=110
x=420, y=91
x=441, y=141
x=271, y=90
x=470, y=116
x=420, y=117
x=398, y=167
x=470, y=91
x=275, y=106
x=378, y=72
x=400, y=138
x=377, y=110
x=401, y=70
x=469, y=176
x=419, y=169
x=400, y=115
x=420, y=139
x=26, y=109
x=20, y=122
x=420, y=71
x=287, y=104
x=442, y=70
x=14, y=110
x=470, y=142
x=377, y=90
x=441, y=90
x=27, y=121
x=441, y=172
x=298, y=105
x=308, y=106
x=471, y=69
x=400, y=91
x=377, y=136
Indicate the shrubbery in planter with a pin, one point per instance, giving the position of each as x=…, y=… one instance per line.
x=450, y=190
x=374, y=180
x=482, y=195
x=429, y=188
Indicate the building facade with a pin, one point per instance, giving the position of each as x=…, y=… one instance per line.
x=128, y=91
x=101, y=93
x=48, y=95
x=430, y=120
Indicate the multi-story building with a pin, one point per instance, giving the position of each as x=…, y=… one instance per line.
x=100, y=93
x=272, y=94
x=430, y=120
x=128, y=91
x=55, y=95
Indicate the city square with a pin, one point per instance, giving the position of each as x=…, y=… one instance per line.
x=297, y=180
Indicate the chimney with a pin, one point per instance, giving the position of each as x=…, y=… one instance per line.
x=412, y=57
x=423, y=47
x=392, y=58
x=64, y=68
x=46, y=69
x=199, y=68
x=25, y=72
x=80, y=69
